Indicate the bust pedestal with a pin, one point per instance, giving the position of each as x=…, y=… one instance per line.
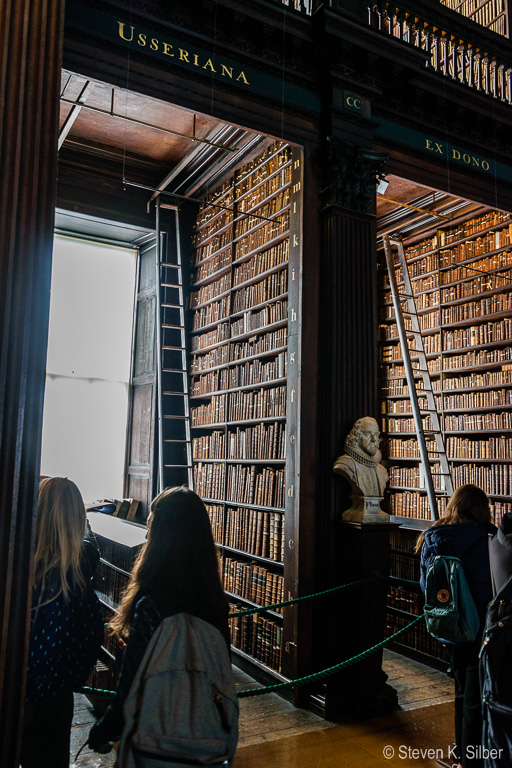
x=365, y=509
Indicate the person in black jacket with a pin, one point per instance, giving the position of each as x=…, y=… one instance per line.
x=501, y=552
x=66, y=627
x=176, y=571
x=463, y=533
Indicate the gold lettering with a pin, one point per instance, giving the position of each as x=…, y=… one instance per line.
x=350, y=101
x=184, y=55
x=209, y=65
x=142, y=40
x=196, y=63
x=167, y=47
x=466, y=158
x=242, y=76
x=293, y=275
x=227, y=71
x=439, y=148
x=121, y=32
x=154, y=44
x=476, y=162
x=455, y=154
x=485, y=165
x=294, y=206
x=296, y=187
x=295, y=241
x=357, y=103
x=428, y=144
x=296, y=164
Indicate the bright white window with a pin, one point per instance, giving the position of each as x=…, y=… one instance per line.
x=88, y=367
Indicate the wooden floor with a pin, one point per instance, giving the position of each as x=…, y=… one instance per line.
x=275, y=733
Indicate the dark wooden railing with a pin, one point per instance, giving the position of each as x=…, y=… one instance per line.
x=462, y=56
x=457, y=48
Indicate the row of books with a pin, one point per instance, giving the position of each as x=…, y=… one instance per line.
x=485, y=399
x=264, y=190
x=210, y=291
x=255, y=531
x=471, y=288
x=223, y=218
x=477, y=358
x=496, y=378
x=485, y=12
x=495, y=480
x=416, y=637
x=403, y=425
x=501, y=260
x=404, y=566
x=501, y=302
x=257, y=404
x=272, y=286
x=214, y=264
x=412, y=477
x=209, y=480
x=253, y=321
x=467, y=448
x=249, y=405
x=405, y=449
x=270, y=210
x=214, y=412
x=263, y=441
x=475, y=422
x=257, y=345
x=475, y=335
x=211, y=313
x=414, y=505
x=500, y=508
x=253, y=582
x=210, y=359
x=405, y=600
x=257, y=636
x=248, y=374
x=472, y=226
x=264, y=165
x=404, y=406
x=211, y=338
x=261, y=262
x=202, y=252
x=220, y=198
x=251, y=485
x=263, y=235
x=403, y=539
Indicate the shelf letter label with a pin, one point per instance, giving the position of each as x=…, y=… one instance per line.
x=291, y=544
x=295, y=241
x=296, y=163
x=293, y=316
x=292, y=437
x=292, y=393
x=290, y=491
x=296, y=187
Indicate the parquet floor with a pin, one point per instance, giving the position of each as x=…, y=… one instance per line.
x=273, y=733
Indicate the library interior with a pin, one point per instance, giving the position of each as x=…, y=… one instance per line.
x=315, y=205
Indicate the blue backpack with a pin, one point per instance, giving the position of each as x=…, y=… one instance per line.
x=450, y=611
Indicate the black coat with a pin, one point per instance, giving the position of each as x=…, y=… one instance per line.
x=501, y=552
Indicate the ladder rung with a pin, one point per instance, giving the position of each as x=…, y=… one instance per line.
x=168, y=346
x=181, y=466
x=171, y=306
x=174, y=370
x=172, y=327
x=174, y=440
x=169, y=416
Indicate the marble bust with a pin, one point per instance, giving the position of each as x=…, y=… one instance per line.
x=360, y=465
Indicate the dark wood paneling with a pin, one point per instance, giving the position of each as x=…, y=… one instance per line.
x=31, y=42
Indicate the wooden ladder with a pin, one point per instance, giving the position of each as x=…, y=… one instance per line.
x=173, y=428
x=417, y=375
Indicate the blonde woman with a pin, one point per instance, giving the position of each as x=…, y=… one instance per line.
x=66, y=626
x=463, y=532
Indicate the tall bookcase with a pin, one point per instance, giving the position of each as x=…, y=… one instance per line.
x=245, y=322
x=493, y=14
x=461, y=275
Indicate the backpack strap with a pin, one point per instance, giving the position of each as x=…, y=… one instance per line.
x=490, y=537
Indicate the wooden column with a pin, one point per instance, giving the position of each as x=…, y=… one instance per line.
x=30, y=45
x=348, y=391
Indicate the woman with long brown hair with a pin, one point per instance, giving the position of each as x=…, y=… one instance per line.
x=66, y=626
x=463, y=532
x=176, y=571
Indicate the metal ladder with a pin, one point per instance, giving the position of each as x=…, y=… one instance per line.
x=173, y=426
x=417, y=374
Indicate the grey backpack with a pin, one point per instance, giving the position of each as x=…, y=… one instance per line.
x=182, y=708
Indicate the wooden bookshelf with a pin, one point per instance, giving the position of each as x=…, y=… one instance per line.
x=243, y=376
x=461, y=276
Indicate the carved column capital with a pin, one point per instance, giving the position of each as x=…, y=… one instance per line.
x=351, y=175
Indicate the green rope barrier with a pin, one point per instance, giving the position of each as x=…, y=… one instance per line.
x=329, y=670
x=265, y=608
x=102, y=693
